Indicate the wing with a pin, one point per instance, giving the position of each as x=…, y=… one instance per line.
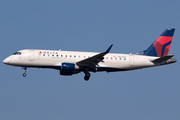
x=91, y=62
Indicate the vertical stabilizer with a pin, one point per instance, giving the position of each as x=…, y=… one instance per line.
x=161, y=45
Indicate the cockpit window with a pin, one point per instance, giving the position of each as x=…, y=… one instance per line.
x=17, y=53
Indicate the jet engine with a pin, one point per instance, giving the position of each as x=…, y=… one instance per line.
x=68, y=69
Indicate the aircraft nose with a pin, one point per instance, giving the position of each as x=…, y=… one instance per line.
x=6, y=61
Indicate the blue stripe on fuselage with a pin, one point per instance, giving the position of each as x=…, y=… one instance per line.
x=108, y=69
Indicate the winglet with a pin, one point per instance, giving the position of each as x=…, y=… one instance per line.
x=107, y=51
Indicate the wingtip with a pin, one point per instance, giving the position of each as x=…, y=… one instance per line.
x=107, y=51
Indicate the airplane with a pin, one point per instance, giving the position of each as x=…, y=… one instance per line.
x=73, y=62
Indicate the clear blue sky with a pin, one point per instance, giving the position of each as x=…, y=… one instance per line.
x=132, y=26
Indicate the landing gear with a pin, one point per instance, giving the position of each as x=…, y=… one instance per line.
x=24, y=74
x=87, y=76
x=25, y=69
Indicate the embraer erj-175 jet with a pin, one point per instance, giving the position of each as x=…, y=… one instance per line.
x=70, y=62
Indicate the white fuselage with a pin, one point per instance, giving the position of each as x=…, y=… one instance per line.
x=70, y=62
x=54, y=59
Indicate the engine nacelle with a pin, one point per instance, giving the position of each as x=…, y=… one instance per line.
x=67, y=69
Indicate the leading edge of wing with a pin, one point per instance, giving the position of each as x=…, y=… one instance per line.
x=94, y=60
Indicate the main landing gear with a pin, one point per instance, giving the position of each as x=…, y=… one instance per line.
x=87, y=75
x=25, y=69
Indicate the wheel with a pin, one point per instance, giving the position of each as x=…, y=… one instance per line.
x=24, y=74
x=87, y=76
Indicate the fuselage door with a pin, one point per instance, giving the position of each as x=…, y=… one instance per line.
x=31, y=55
x=131, y=60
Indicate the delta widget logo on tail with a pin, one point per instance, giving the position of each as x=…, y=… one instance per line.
x=161, y=46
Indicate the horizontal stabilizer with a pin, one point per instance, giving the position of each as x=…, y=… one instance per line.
x=164, y=58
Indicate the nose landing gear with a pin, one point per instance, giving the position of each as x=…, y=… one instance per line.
x=25, y=69
x=24, y=74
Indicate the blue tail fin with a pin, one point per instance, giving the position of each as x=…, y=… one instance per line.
x=161, y=45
